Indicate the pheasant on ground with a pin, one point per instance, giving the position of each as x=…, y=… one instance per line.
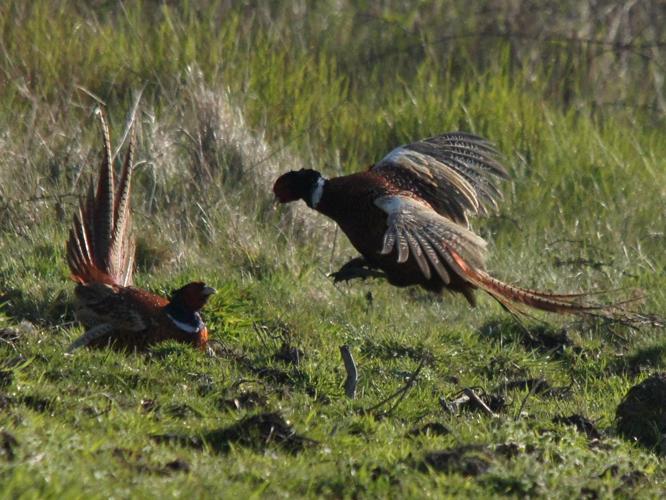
x=408, y=217
x=100, y=255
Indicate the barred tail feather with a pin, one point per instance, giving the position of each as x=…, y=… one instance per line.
x=100, y=247
x=555, y=303
x=120, y=240
x=514, y=298
x=104, y=202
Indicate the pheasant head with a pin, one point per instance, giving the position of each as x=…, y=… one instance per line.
x=304, y=184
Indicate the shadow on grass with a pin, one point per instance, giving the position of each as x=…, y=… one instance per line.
x=391, y=349
x=645, y=358
x=257, y=432
x=544, y=338
x=46, y=309
x=467, y=460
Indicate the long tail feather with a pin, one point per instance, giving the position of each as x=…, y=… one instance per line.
x=515, y=299
x=122, y=219
x=100, y=246
x=88, y=215
x=104, y=202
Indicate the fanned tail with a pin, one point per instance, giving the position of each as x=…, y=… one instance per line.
x=100, y=247
x=515, y=299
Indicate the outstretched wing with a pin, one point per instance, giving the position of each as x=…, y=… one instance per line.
x=455, y=173
x=416, y=229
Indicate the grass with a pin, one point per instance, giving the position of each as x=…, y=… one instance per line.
x=233, y=96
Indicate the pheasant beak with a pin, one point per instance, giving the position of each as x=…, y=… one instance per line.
x=208, y=291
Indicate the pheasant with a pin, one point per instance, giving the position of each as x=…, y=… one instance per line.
x=100, y=255
x=408, y=217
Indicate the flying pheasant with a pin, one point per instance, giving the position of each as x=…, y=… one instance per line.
x=408, y=217
x=100, y=254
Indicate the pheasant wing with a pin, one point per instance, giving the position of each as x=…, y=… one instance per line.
x=455, y=173
x=109, y=304
x=415, y=229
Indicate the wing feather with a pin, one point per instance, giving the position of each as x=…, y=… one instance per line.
x=389, y=240
x=418, y=253
x=436, y=261
x=403, y=246
x=428, y=237
x=455, y=173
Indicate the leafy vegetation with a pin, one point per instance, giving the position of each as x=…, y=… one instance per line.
x=232, y=95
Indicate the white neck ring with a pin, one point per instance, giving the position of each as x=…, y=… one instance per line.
x=317, y=192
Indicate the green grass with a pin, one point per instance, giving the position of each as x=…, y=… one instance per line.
x=233, y=96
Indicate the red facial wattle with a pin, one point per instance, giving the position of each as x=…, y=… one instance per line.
x=195, y=295
x=282, y=191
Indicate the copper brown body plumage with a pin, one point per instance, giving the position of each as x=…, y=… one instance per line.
x=100, y=255
x=407, y=215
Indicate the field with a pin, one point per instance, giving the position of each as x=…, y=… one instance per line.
x=232, y=95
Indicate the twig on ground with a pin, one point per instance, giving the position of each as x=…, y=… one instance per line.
x=352, y=371
x=446, y=406
x=479, y=403
x=466, y=396
x=399, y=394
